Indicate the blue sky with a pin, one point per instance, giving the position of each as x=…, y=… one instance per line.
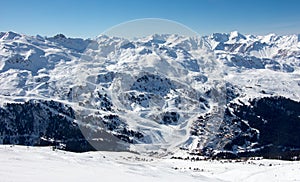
x=79, y=18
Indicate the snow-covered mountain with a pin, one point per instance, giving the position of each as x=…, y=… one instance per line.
x=220, y=95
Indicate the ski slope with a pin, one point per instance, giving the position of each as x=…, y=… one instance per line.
x=26, y=164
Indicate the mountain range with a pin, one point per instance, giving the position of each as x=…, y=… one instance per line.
x=226, y=95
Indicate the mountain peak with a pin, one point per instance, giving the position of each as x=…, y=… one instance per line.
x=155, y=37
x=220, y=37
x=235, y=35
x=9, y=35
x=102, y=36
x=60, y=36
x=269, y=38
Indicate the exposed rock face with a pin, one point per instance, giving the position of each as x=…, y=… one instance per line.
x=266, y=127
x=41, y=123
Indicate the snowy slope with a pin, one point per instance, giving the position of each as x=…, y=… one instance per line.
x=42, y=164
x=158, y=94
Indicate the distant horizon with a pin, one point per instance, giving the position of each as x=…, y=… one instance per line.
x=88, y=19
x=67, y=36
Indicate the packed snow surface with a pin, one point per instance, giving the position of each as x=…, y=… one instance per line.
x=20, y=163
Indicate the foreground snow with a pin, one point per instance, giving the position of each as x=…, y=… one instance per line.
x=20, y=163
